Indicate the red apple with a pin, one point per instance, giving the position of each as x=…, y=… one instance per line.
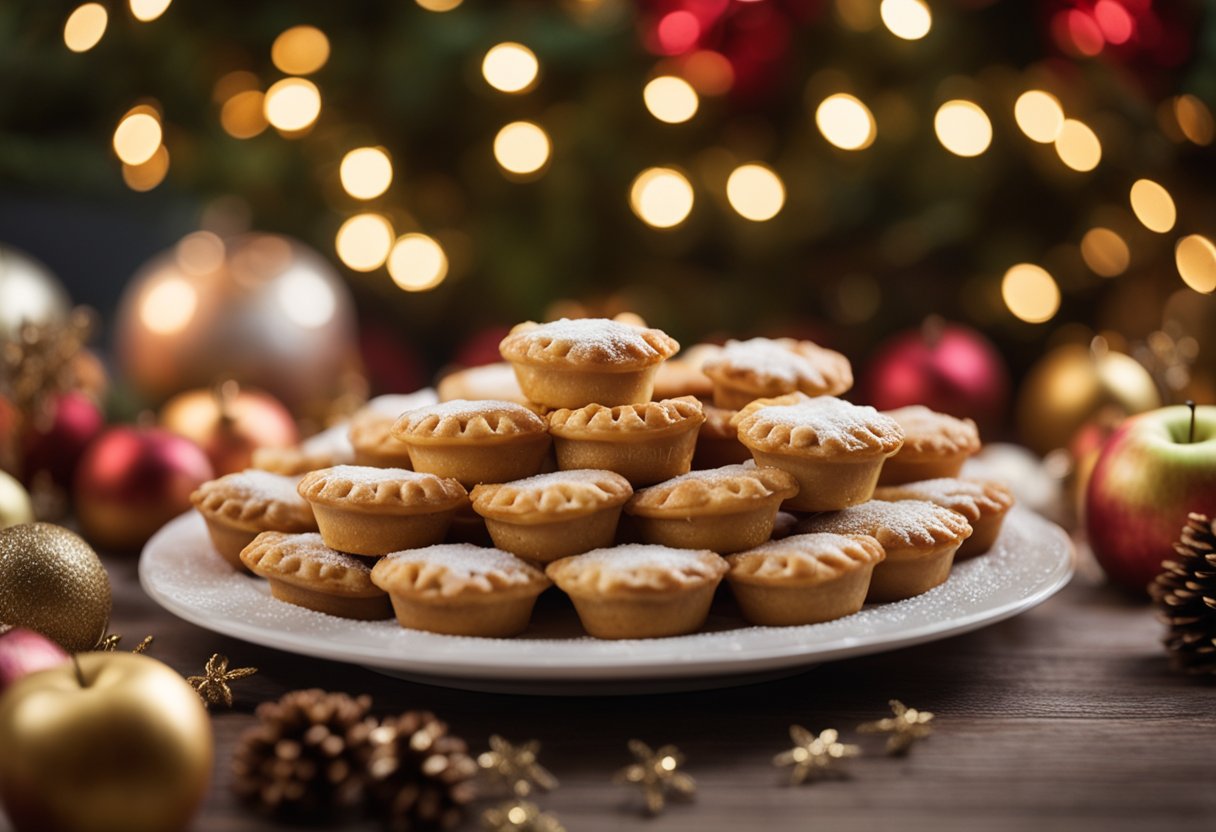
x=23, y=652
x=1154, y=470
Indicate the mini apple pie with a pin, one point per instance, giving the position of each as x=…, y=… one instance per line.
x=640, y=591
x=726, y=509
x=239, y=506
x=475, y=441
x=572, y=363
x=371, y=511
x=718, y=440
x=489, y=381
x=682, y=376
x=935, y=446
x=833, y=448
x=371, y=429
x=323, y=450
x=804, y=579
x=645, y=443
x=765, y=367
x=983, y=502
x=553, y=516
x=302, y=570
x=920, y=540
x=460, y=590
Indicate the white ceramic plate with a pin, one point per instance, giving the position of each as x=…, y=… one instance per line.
x=179, y=569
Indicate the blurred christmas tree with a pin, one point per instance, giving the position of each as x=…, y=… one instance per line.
x=836, y=167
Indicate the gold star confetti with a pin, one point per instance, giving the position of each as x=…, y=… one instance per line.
x=213, y=687
x=657, y=772
x=520, y=816
x=516, y=766
x=906, y=727
x=813, y=756
x=109, y=644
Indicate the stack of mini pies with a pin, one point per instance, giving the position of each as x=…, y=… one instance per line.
x=634, y=479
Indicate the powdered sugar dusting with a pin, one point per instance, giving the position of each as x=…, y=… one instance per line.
x=908, y=521
x=261, y=485
x=334, y=441
x=393, y=405
x=965, y=496
x=366, y=475
x=833, y=420
x=642, y=556
x=463, y=559
x=539, y=482
x=311, y=547
x=592, y=338
x=711, y=476
x=765, y=356
x=465, y=408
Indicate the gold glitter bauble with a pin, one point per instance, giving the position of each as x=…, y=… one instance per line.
x=53, y=582
x=15, y=506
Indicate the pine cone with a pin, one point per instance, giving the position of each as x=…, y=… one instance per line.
x=419, y=775
x=304, y=758
x=1186, y=593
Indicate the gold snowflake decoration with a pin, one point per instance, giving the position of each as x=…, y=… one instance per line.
x=813, y=756
x=906, y=727
x=516, y=766
x=213, y=687
x=520, y=816
x=657, y=772
x=109, y=644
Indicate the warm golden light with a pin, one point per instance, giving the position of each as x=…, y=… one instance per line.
x=417, y=263
x=1105, y=252
x=85, y=26
x=137, y=136
x=439, y=5
x=907, y=19
x=510, y=67
x=233, y=82
x=670, y=99
x=243, y=115
x=363, y=242
x=661, y=197
x=1030, y=293
x=1194, y=119
x=292, y=104
x=148, y=10
x=168, y=306
x=521, y=147
x=1039, y=115
x=1195, y=256
x=146, y=176
x=845, y=122
x=300, y=50
x=366, y=172
x=963, y=128
x=1153, y=206
x=200, y=253
x=755, y=191
x=307, y=300
x=1078, y=146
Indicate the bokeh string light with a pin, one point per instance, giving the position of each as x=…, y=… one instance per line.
x=1031, y=293
x=963, y=128
x=1153, y=205
x=670, y=99
x=1078, y=146
x=146, y=11
x=907, y=19
x=138, y=135
x=846, y=122
x=1039, y=115
x=510, y=67
x=1105, y=252
x=85, y=27
x=756, y=192
x=292, y=104
x=366, y=172
x=300, y=50
x=417, y=263
x=661, y=197
x=1195, y=256
x=522, y=148
x=364, y=241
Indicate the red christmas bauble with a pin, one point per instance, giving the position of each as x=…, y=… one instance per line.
x=57, y=447
x=230, y=423
x=132, y=480
x=23, y=652
x=946, y=367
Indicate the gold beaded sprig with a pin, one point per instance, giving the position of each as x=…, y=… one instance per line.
x=213, y=685
x=109, y=644
x=516, y=766
x=657, y=773
x=814, y=756
x=905, y=727
x=520, y=816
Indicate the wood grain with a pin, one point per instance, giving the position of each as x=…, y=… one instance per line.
x=1065, y=718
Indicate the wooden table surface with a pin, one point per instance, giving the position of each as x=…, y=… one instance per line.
x=1066, y=717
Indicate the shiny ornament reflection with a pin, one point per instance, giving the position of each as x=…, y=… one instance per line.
x=259, y=309
x=229, y=423
x=29, y=293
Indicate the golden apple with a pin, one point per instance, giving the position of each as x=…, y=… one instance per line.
x=121, y=745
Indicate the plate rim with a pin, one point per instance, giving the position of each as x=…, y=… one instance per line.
x=644, y=667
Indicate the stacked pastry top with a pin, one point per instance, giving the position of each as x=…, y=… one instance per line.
x=633, y=481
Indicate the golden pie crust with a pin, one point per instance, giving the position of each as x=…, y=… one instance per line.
x=677, y=377
x=726, y=509
x=490, y=381
x=460, y=589
x=328, y=448
x=983, y=502
x=718, y=440
x=475, y=441
x=835, y=449
x=935, y=445
x=640, y=591
x=646, y=443
x=302, y=570
x=920, y=540
x=572, y=363
x=804, y=579
x=374, y=443
x=238, y=506
x=551, y=516
x=372, y=511
x=764, y=367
